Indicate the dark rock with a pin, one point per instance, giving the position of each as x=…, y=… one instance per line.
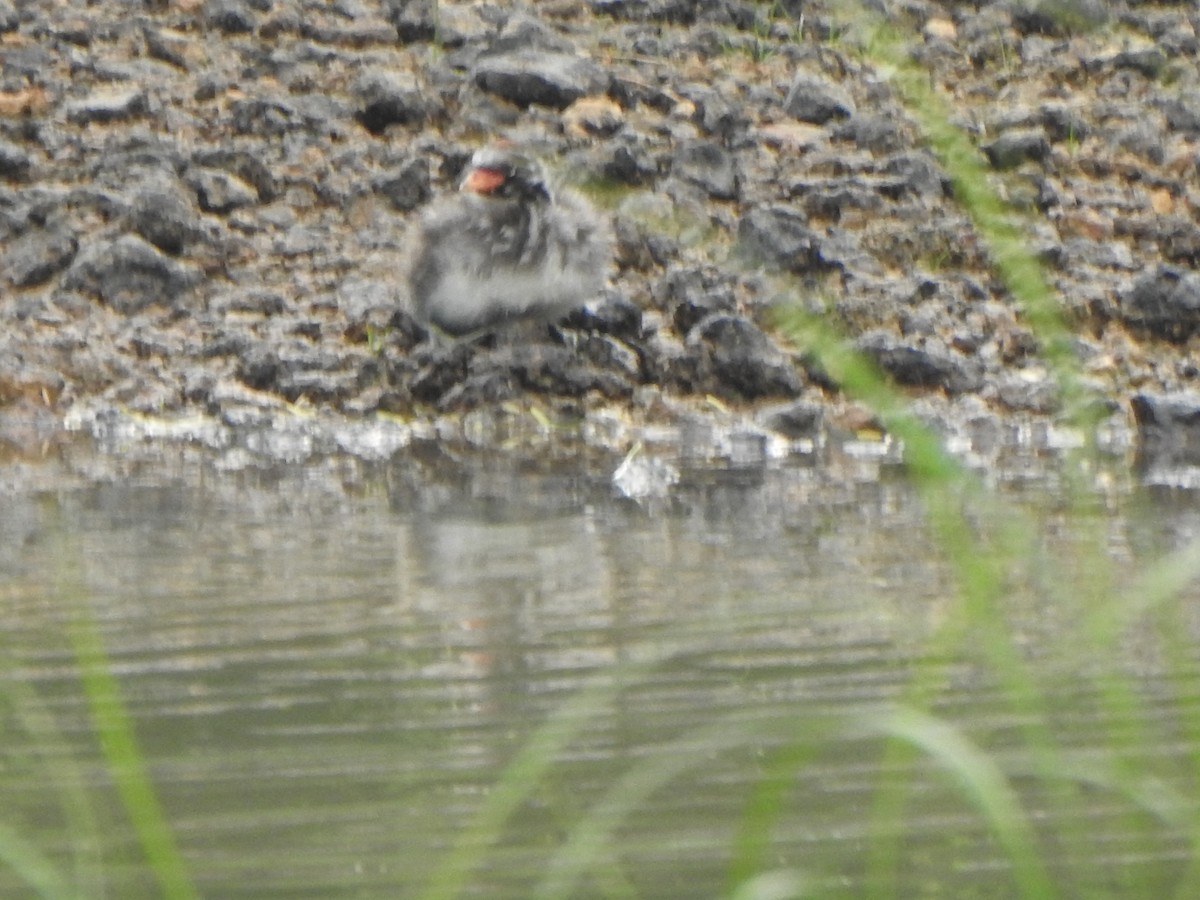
x=221, y=192
x=709, y=166
x=1179, y=238
x=436, y=370
x=9, y=20
x=510, y=371
x=1062, y=123
x=876, y=133
x=829, y=200
x=924, y=367
x=693, y=294
x=1059, y=18
x=1148, y=61
x=918, y=173
x=1168, y=428
x=386, y=98
x=129, y=274
x=1165, y=303
x=742, y=359
x=545, y=79
x=523, y=32
x=613, y=314
x=1016, y=146
x=1042, y=396
x=1183, y=114
x=629, y=163
x=680, y=12
x=36, y=256
x=265, y=116
x=798, y=419
x=780, y=237
x=229, y=16
x=15, y=163
x=164, y=216
x=170, y=49
x=414, y=20
x=107, y=105
x=407, y=186
x=244, y=165
x=812, y=98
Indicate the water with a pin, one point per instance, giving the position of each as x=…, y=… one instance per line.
x=330, y=664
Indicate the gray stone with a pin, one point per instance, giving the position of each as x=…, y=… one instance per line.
x=710, y=166
x=387, y=98
x=229, y=16
x=130, y=274
x=546, y=79
x=812, y=98
x=919, y=366
x=221, y=192
x=742, y=359
x=107, y=105
x=780, y=237
x=1183, y=114
x=1019, y=145
x=1165, y=303
x=15, y=163
x=798, y=419
x=407, y=186
x=1168, y=428
x=163, y=215
x=37, y=255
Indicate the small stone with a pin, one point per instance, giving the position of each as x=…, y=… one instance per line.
x=15, y=163
x=36, y=256
x=407, y=186
x=1019, y=145
x=546, y=79
x=107, y=105
x=1148, y=61
x=164, y=216
x=613, y=314
x=743, y=359
x=593, y=116
x=798, y=419
x=812, y=98
x=918, y=366
x=708, y=166
x=221, y=192
x=229, y=16
x=1183, y=114
x=1168, y=428
x=780, y=237
x=1165, y=303
x=130, y=274
x=9, y=20
x=386, y=98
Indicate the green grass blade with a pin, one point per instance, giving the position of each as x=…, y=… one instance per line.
x=32, y=867
x=984, y=785
x=119, y=746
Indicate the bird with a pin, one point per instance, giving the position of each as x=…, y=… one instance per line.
x=506, y=247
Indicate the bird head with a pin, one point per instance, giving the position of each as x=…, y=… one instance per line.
x=500, y=172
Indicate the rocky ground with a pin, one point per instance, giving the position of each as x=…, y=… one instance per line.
x=202, y=205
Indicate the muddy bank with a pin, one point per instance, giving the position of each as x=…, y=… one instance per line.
x=202, y=203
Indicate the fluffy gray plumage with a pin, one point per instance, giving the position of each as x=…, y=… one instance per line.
x=505, y=248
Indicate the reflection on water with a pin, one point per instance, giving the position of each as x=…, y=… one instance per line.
x=330, y=665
